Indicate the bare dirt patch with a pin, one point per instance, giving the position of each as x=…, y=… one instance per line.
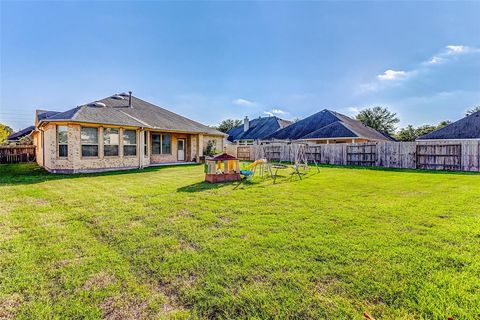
x=9, y=305
x=99, y=281
x=124, y=308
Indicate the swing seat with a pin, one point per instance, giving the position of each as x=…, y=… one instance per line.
x=246, y=172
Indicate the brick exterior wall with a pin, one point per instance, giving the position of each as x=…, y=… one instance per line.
x=167, y=158
x=74, y=162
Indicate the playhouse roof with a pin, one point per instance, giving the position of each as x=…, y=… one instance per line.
x=224, y=156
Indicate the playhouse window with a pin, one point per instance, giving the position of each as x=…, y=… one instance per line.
x=62, y=138
x=129, y=143
x=89, y=140
x=110, y=142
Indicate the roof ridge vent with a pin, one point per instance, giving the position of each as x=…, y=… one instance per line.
x=97, y=104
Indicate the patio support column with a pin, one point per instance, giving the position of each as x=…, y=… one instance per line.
x=100, y=143
x=199, y=147
x=142, y=148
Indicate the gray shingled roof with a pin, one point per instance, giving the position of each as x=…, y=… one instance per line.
x=20, y=134
x=327, y=124
x=43, y=114
x=465, y=128
x=258, y=129
x=141, y=114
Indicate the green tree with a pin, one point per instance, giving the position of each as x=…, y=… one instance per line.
x=228, y=124
x=5, y=131
x=379, y=118
x=210, y=149
x=443, y=123
x=410, y=133
x=472, y=111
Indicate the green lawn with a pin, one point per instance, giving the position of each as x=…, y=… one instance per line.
x=159, y=243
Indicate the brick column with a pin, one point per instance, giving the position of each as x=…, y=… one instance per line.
x=199, y=147
x=100, y=143
x=120, y=142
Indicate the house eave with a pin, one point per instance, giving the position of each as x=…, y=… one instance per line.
x=150, y=128
x=338, y=138
x=450, y=139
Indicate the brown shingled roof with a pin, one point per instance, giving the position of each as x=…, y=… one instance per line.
x=141, y=114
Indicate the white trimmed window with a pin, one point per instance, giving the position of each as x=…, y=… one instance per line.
x=161, y=144
x=110, y=142
x=129, y=143
x=89, y=140
x=62, y=141
x=145, y=143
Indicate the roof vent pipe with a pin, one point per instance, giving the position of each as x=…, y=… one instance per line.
x=246, y=124
x=129, y=99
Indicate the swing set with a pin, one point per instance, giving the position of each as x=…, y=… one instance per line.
x=300, y=152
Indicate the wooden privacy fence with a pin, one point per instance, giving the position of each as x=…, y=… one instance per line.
x=16, y=154
x=361, y=154
x=439, y=157
x=455, y=155
x=243, y=153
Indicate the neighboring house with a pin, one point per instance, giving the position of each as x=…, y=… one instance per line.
x=251, y=131
x=467, y=128
x=327, y=127
x=15, y=137
x=118, y=132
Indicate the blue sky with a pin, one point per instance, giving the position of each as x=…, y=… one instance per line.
x=215, y=60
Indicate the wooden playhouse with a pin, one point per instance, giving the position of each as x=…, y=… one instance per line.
x=222, y=168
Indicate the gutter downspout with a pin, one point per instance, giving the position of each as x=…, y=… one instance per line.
x=43, y=148
x=142, y=147
x=42, y=142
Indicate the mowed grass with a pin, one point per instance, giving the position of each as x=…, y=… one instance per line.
x=159, y=243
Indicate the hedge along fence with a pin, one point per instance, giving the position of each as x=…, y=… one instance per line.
x=461, y=155
x=17, y=154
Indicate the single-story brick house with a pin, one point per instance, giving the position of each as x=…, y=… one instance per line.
x=17, y=136
x=465, y=129
x=118, y=132
x=327, y=127
x=251, y=131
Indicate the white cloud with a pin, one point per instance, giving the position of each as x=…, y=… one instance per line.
x=436, y=60
x=392, y=75
x=274, y=112
x=449, y=52
x=278, y=111
x=456, y=49
x=391, y=78
x=244, y=102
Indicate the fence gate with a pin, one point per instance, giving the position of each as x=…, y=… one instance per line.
x=439, y=156
x=361, y=154
x=273, y=153
x=16, y=154
x=243, y=153
x=314, y=154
